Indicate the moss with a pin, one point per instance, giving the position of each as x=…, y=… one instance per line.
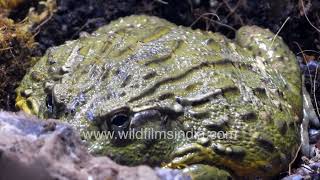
x=16, y=44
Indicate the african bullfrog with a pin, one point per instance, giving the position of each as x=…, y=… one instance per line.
x=145, y=74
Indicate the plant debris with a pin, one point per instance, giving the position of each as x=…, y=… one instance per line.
x=16, y=44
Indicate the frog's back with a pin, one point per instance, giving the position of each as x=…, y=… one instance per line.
x=218, y=85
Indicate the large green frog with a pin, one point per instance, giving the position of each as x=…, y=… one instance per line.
x=232, y=107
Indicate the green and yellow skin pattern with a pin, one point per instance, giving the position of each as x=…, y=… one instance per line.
x=142, y=72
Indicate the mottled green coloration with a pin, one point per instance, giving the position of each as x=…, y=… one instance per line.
x=141, y=71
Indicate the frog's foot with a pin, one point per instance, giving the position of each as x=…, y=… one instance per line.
x=35, y=17
x=190, y=157
x=309, y=118
x=203, y=172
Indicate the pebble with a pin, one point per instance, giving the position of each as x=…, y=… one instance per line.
x=314, y=135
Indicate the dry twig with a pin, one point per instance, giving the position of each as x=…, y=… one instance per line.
x=275, y=36
x=305, y=15
x=202, y=16
x=295, y=157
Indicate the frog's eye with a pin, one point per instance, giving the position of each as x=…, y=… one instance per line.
x=119, y=123
x=120, y=120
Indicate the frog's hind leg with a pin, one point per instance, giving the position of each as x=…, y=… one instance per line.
x=204, y=172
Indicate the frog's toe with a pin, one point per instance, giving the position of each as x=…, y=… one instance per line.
x=203, y=172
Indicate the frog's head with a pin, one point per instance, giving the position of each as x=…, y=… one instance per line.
x=102, y=98
x=102, y=84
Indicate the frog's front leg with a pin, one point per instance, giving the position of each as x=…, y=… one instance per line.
x=309, y=118
x=203, y=172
